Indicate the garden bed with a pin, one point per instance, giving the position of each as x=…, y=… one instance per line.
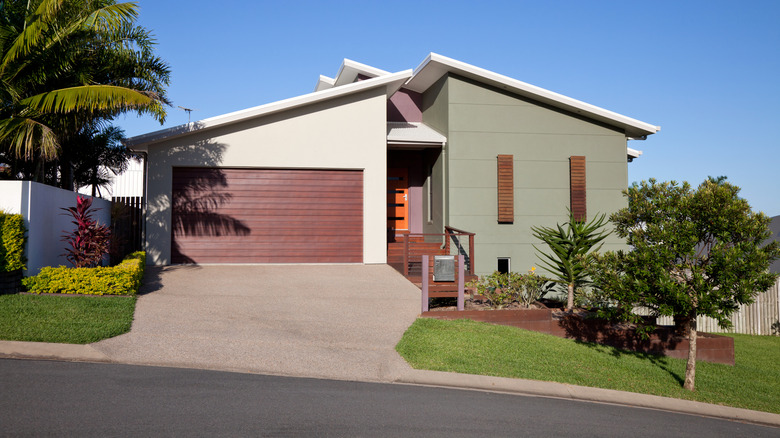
x=581, y=326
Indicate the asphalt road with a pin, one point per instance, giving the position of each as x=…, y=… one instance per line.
x=41, y=398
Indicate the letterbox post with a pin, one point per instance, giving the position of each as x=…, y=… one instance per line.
x=461, y=282
x=425, y=275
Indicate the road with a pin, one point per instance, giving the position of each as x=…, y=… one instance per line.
x=84, y=399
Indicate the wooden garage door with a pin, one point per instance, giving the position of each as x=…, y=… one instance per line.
x=267, y=216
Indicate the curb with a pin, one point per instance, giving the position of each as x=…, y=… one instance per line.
x=50, y=351
x=396, y=370
x=583, y=393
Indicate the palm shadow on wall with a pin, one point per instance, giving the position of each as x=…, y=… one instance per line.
x=195, y=210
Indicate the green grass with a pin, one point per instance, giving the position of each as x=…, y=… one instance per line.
x=64, y=319
x=478, y=348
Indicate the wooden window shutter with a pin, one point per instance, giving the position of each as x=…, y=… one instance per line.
x=577, y=187
x=506, y=190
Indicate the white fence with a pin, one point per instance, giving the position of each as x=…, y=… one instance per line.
x=760, y=318
x=128, y=183
x=41, y=206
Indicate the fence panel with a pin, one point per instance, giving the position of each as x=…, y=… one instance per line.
x=760, y=318
x=128, y=225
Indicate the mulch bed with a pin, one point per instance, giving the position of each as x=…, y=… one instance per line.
x=583, y=326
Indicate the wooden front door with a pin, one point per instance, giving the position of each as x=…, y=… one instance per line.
x=398, y=199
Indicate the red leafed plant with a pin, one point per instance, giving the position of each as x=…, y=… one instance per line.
x=89, y=242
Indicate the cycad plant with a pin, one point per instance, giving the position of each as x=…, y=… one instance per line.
x=572, y=245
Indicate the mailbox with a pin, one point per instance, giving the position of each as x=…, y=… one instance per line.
x=444, y=268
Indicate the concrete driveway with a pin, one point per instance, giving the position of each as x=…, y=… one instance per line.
x=327, y=321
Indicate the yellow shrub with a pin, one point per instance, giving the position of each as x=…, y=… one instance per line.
x=122, y=279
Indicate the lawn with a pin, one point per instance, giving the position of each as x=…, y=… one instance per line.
x=64, y=319
x=478, y=348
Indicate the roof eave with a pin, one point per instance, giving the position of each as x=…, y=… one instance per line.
x=391, y=82
x=434, y=66
x=324, y=82
x=349, y=70
x=633, y=153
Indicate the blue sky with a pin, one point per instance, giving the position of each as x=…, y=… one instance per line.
x=707, y=72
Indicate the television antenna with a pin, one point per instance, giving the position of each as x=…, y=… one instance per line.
x=189, y=112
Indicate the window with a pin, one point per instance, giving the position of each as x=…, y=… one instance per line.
x=504, y=265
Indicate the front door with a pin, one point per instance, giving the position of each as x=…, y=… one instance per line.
x=398, y=199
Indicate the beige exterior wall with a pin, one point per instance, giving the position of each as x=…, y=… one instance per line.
x=343, y=133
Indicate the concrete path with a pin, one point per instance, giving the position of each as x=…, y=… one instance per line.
x=328, y=321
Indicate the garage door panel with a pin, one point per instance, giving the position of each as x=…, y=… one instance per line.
x=267, y=216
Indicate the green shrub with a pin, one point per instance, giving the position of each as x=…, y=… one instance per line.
x=12, y=240
x=122, y=279
x=500, y=290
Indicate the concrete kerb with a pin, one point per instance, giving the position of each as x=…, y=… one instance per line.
x=50, y=351
x=582, y=393
x=399, y=372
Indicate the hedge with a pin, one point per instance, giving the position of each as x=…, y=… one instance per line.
x=122, y=279
x=12, y=239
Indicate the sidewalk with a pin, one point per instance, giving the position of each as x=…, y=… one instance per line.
x=397, y=371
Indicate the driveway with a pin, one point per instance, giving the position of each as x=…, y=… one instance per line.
x=325, y=321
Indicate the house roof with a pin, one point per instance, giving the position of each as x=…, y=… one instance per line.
x=435, y=66
x=413, y=133
x=391, y=81
x=632, y=153
x=348, y=73
x=420, y=79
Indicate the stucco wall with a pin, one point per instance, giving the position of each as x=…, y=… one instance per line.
x=344, y=133
x=482, y=123
x=41, y=206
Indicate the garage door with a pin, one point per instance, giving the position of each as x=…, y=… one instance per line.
x=267, y=216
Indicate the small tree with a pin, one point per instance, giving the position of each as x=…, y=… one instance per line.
x=572, y=248
x=89, y=242
x=694, y=252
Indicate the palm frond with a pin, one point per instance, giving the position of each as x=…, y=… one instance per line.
x=89, y=98
x=112, y=17
x=26, y=135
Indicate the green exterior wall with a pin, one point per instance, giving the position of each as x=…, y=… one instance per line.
x=480, y=123
x=435, y=111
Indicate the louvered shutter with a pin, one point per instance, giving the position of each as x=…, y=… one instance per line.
x=506, y=191
x=577, y=187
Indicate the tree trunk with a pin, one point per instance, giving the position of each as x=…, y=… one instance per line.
x=570, y=298
x=66, y=174
x=690, y=367
x=40, y=171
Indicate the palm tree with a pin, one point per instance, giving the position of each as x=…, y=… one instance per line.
x=67, y=64
x=102, y=153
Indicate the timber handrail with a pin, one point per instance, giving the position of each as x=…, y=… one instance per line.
x=450, y=234
x=453, y=230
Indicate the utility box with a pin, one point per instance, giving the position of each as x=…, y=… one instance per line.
x=444, y=268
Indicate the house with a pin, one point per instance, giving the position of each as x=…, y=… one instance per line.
x=341, y=175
